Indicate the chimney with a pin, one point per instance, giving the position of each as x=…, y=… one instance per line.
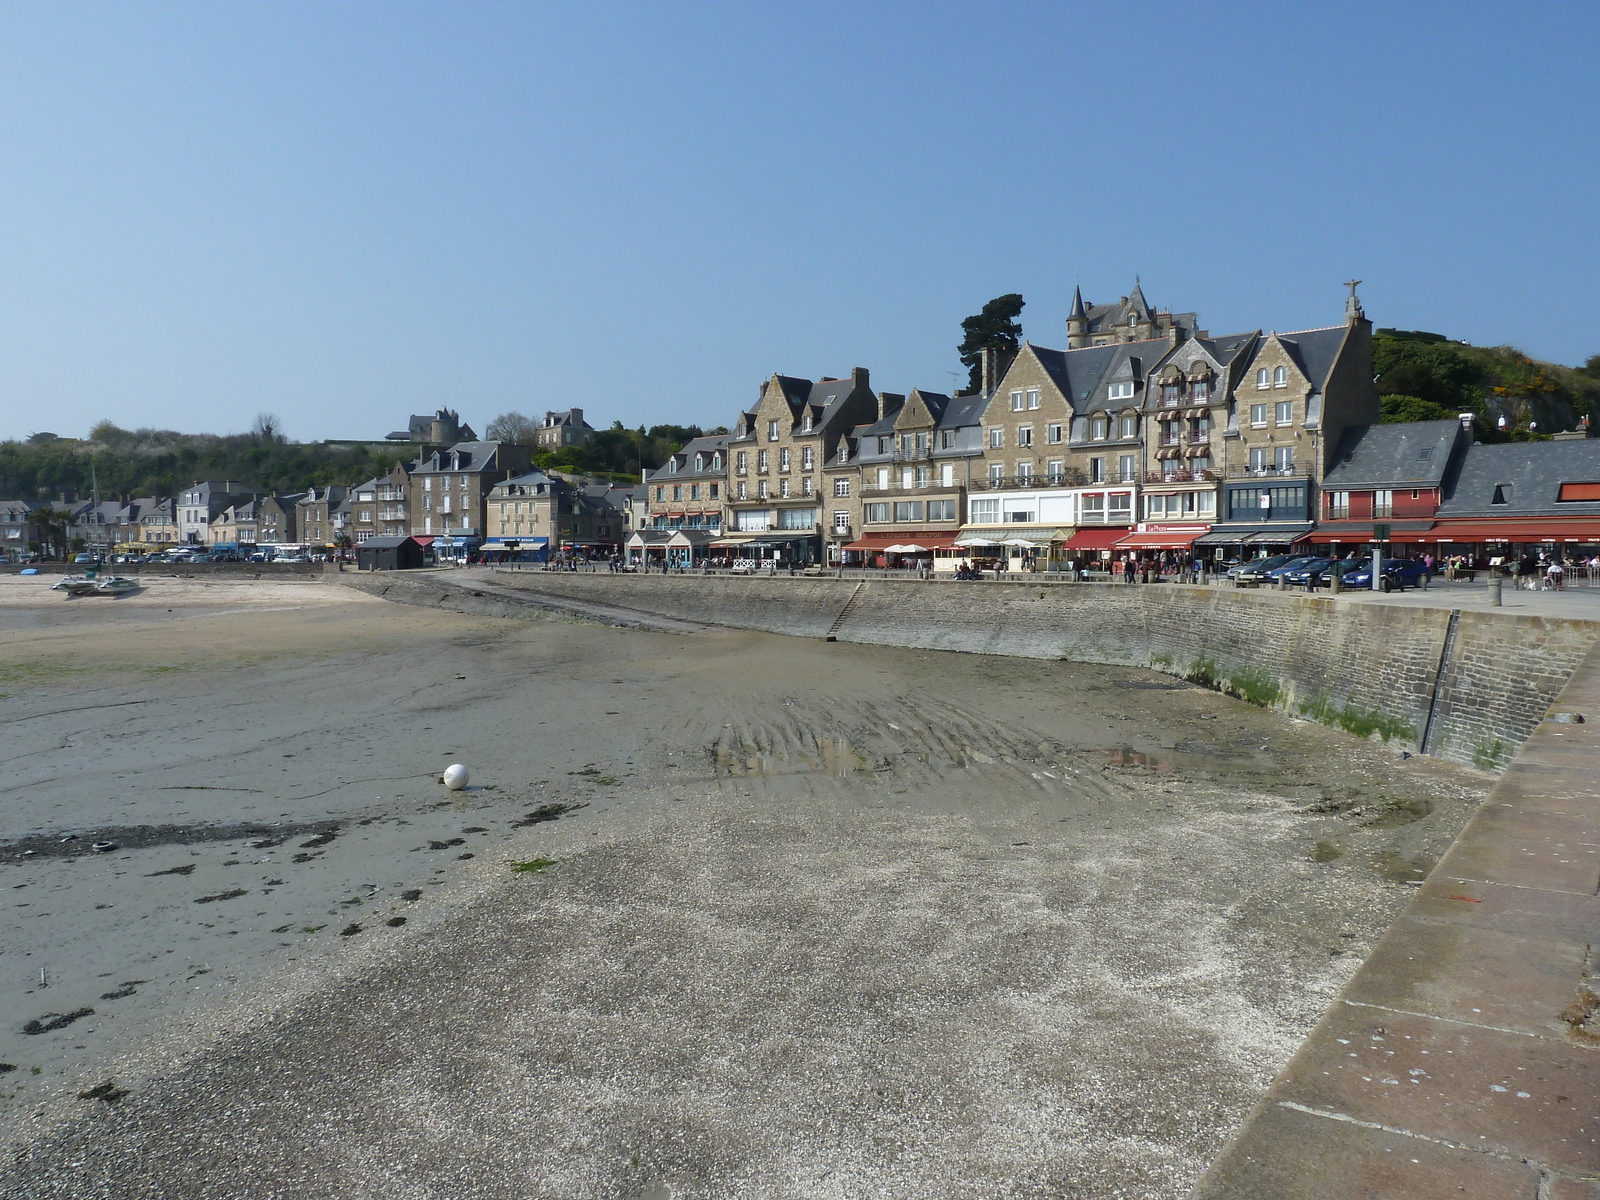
x=988, y=356
x=860, y=377
x=1466, y=421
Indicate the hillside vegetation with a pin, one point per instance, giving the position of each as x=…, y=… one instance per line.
x=1426, y=376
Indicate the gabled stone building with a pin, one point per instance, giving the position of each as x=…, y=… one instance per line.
x=447, y=489
x=777, y=453
x=1130, y=319
x=689, y=489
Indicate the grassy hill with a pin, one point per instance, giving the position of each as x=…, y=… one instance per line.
x=1426, y=376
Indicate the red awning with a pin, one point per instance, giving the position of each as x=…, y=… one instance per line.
x=1096, y=539
x=422, y=540
x=1515, y=529
x=1162, y=539
x=878, y=541
x=1359, y=532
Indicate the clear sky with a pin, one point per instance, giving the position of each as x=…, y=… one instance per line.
x=343, y=213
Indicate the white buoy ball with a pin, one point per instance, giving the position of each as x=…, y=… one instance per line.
x=455, y=777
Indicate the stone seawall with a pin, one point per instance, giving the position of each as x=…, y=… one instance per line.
x=1468, y=687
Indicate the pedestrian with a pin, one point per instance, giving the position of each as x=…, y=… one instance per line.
x=1129, y=570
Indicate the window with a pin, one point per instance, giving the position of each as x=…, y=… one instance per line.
x=694, y=491
x=1280, y=377
x=1057, y=471
x=923, y=477
x=1125, y=468
x=983, y=510
x=1383, y=503
x=1263, y=379
x=1094, y=507
x=883, y=444
x=997, y=438
x=772, y=431
x=1033, y=397
x=1025, y=435
x=1200, y=389
x=797, y=518
x=877, y=513
x=1258, y=416
x=806, y=486
x=1338, y=505
x=841, y=487
x=1122, y=391
x=716, y=461
x=1283, y=459
x=783, y=487
x=661, y=494
x=906, y=477
x=883, y=479
x=744, y=490
x=672, y=466
x=1121, y=508
x=941, y=510
x=1170, y=393
x=805, y=423
x=1128, y=427
x=1025, y=472
x=908, y=510
x=677, y=491
x=1206, y=503
x=783, y=459
x=1097, y=470
x=922, y=442
x=714, y=491
x=1017, y=401
x=841, y=521
x=761, y=462
x=947, y=439
x=1502, y=493
x=1258, y=460
x=1283, y=412
x=1019, y=516
x=1053, y=434
x=808, y=457
x=741, y=464
x=427, y=483
x=997, y=474
x=761, y=489
x=1098, y=427
x=905, y=443
x=947, y=474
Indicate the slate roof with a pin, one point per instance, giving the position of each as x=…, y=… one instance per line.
x=1314, y=351
x=482, y=453
x=708, y=445
x=1224, y=348
x=964, y=410
x=1083, y=374
x=1412, y=454
x=1529, y=476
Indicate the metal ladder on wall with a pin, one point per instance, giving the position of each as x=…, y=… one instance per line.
x=1438, y=678
x=833, y=630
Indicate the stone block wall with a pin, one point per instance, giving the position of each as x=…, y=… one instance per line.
x=1370, y=669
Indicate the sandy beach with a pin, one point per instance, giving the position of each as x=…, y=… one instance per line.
x=795, y=918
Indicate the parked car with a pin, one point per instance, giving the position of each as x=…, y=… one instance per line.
x=87, y=559
x=1308, y=573
x=1264, y=570
x=1398, y=574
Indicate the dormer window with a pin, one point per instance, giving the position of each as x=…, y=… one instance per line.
x=1122, y=391
x=699, y=462
x=672, y=466
x=1170, y=393
x=1127, y=426
x=1502, y=494
x=1200, y=389
x=805, y=425
x=1099, y=427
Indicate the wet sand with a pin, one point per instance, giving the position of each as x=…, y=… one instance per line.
x=802, y=919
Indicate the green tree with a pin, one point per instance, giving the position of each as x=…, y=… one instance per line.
x=996, y=326
x=50, y=523
x=1591, y=367
x=1397, y=409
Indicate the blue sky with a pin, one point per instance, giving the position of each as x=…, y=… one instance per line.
x=343, y=213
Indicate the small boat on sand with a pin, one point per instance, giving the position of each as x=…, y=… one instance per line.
x=116, y=585
x=74, y=585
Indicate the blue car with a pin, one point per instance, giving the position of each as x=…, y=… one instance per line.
x=1398, y=574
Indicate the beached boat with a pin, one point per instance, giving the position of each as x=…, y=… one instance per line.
x=116, y=585
x=74, y=585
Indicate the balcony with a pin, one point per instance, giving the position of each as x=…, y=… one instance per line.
x=1270, y=471
x=899, y=489
x=1181, y=476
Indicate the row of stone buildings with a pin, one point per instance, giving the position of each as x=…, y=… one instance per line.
x=1145, y=434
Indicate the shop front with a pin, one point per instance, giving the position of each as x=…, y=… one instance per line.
x=516, y=549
